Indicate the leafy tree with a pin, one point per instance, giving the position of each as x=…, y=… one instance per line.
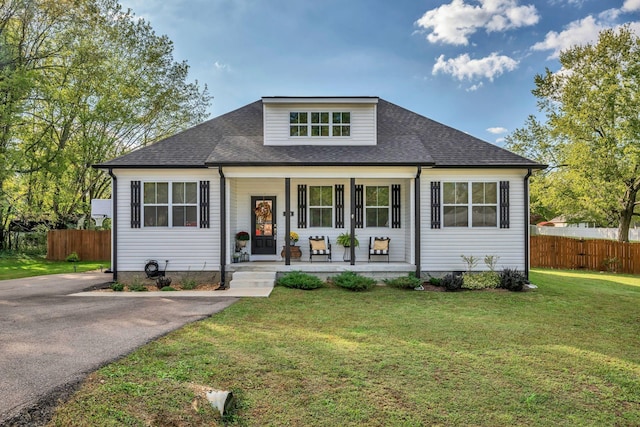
x=108, y=84
x=591, y=137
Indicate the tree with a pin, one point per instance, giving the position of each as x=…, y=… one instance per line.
x=591, y=137
x=107, y=85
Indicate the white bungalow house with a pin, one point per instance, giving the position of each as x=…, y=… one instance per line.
x=318, y=166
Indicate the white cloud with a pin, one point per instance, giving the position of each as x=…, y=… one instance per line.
x=500, y=141
x=580, y=32
x=631, y=5
x=497, y=130
x=474, y=87
x=220, y=66
x=463, y=67
x=453, y=23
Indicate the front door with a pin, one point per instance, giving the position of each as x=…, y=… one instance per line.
x=263, y=216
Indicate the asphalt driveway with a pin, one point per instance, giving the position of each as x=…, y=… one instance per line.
x=50, y=341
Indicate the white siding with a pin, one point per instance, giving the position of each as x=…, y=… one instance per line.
x=363, y=124
x=240, y=213
x=442, y=248
x=186, y=248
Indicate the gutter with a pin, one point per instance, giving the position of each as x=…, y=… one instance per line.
x=114, y=224
x=417, y=213
x=526, y=223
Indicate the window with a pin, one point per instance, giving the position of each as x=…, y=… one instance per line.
x=320, y=206
x=377, y=206
x=319, y=124
x=298, y=124
x=182, y=198
x=484, y=199
x=185, y=204
x=456, y=200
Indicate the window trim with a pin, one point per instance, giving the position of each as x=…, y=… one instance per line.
x=310, y=124
x=470, y=205
x=310, y=206
x=170, y=204
x=367, y=206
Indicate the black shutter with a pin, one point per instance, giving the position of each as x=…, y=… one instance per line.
x=339, y=190
x=359, y=213
x=504, y=204
x=135, y=204
x=435, y=204
x=395, y=206
x=302, y=206
x=204, y=204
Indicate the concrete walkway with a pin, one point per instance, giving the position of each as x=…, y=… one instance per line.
x=50, y=340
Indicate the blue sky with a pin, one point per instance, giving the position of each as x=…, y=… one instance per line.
x=468, y=64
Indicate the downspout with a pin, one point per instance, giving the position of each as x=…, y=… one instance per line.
x=417, y=213
x=114, y=224
x=526, y=223
x=223, y=227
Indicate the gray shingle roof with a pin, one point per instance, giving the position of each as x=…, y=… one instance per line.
x=404, y=138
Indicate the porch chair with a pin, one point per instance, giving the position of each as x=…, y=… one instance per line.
x=379, y=246
x=319, y=245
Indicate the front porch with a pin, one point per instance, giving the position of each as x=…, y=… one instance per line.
x=375, y=270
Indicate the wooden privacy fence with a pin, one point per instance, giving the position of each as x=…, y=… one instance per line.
x=593, y=254
x=90, y=245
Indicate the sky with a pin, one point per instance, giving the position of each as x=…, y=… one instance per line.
x=469, y=64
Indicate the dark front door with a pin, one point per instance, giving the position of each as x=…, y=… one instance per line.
x=263, y=239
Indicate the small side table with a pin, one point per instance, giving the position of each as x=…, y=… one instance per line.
x=296, y=253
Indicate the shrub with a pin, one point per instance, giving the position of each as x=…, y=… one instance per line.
x=189, y=284
x=353, y=282
x=167, y=289
x=512, y=279
x=300, y=280
x=452, y=282
x=435, y=281
x=482, y=280
x=72, y=257
x=117, y=287
x=406, y=282
x=137, y=287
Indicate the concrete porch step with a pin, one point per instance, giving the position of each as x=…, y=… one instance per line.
x=253, y=279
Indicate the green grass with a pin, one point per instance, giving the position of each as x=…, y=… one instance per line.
x=567, y=353
x=19, y=266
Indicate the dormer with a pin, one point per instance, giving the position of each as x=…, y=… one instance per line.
x=320, y=121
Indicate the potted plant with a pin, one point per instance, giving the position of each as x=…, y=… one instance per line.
x=344, y=239
x=293, y=238
x=242, y=237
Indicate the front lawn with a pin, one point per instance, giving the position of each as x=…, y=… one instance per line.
x=19, y=266
x=567, y=353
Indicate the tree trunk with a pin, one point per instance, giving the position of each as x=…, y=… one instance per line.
x=627, y=212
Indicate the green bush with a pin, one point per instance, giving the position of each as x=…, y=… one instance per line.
x=117, y=287
x=435, y=281
x=167, y=289
x=353, y=282
x=137, y=287
x=481, y=280
x=512, y=279
x=189, y=284
x=406, y=282
x=452, y=282
x=300, y=280
x=72, y=257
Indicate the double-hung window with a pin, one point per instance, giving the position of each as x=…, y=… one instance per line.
x=461, y=207
x=321, y=206
x=377, y=206
x=174, y=203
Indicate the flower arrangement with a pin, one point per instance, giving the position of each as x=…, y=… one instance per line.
x=293, y=236
x=242, y=236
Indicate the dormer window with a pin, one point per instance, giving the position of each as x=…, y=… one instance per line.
x=319, y=124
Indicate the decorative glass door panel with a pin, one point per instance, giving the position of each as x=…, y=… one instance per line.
x=264, y=237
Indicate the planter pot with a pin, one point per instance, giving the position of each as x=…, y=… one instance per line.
x=242, y=243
